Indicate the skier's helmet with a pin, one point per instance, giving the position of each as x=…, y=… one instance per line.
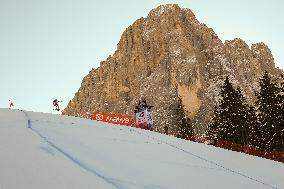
x=55, y=102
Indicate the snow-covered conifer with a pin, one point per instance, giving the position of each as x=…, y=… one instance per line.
x=269, y=112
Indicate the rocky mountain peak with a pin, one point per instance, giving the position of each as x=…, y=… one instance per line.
x=264, y=56
x=237, y=43
x=164, y=10
x=166, y=56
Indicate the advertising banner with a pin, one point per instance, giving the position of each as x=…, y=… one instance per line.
x=144, y=119
x=141, y=117
x=113, y=118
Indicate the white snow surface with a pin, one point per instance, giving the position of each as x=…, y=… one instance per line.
x=40, y=150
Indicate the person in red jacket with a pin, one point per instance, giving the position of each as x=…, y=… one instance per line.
x=11, y=104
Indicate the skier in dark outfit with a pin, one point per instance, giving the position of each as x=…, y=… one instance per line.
x=55, y=103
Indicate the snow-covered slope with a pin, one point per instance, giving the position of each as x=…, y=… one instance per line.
x=51, y=151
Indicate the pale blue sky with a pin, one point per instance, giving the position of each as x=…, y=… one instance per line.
x=48, y=46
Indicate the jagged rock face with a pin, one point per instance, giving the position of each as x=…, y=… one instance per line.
x=168, y=55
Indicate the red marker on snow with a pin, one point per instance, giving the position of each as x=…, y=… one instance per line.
x=11, y=104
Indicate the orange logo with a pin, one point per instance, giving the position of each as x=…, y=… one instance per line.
x=99, y=117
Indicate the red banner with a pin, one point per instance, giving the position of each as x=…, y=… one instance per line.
x=113, y=118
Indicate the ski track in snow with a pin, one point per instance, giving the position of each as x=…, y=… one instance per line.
x=120, y=184
x=72, y=158
x=204, y=159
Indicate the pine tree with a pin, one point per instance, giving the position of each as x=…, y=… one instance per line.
x=254, y=128
x=247, y=127
x=234, y=120
x=280, y=129
x=241, y=118
x=185, y=130
x=269, y=112
x=282, y=112
x=214, y=126
x=221, y=126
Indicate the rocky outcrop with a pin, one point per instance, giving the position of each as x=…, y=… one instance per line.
x=166, y=56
